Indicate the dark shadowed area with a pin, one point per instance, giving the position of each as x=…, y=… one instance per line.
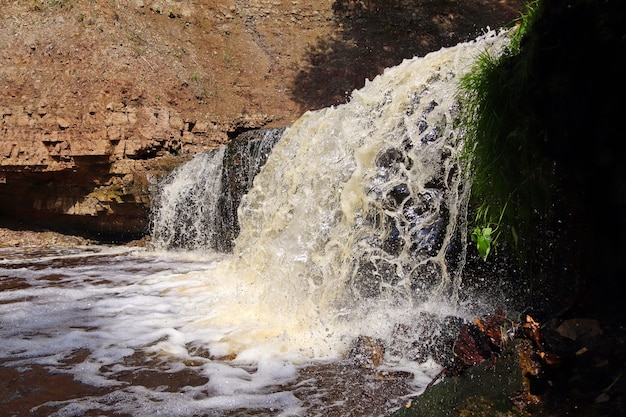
x=372, y=35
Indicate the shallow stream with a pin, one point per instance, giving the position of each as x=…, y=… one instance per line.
x=109, y=331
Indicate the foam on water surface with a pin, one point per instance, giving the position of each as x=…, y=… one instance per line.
x=124, y=319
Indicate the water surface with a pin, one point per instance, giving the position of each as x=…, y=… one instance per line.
x=119, y=331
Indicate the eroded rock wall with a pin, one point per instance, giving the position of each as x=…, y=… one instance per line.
x=100, y=99
x=92, y=170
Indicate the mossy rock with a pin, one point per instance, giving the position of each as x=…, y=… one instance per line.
x=487, y=389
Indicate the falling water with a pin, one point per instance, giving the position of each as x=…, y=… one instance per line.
x=353, y=227
x=196, y=205
x=186, y=204
x=356, y=221
x=355, y=224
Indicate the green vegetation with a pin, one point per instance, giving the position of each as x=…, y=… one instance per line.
x=485, y=234
x=511, y=177
x=545, y=146
x=203, y=85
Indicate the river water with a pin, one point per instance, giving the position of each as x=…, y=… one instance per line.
x=120, y=331
x=354, y=227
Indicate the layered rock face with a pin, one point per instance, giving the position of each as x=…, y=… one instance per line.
x=93, y=171
x=99, y=99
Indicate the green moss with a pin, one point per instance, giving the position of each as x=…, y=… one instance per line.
x=484, y=390
x=546, y=140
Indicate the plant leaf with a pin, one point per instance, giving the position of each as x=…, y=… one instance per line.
x=483, y=243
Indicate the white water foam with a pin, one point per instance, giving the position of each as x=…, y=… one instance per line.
x=116, y=303
x=185, y=205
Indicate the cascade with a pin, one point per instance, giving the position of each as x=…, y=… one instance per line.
x=359, y=211
x=186, y=203
x=356, y=222
x=350, y=229
x=195, y=206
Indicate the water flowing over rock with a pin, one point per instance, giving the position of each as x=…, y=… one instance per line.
x=99, y=98
x=364, y=203
x=195, y=207
x=186, y=203
x=355, y=225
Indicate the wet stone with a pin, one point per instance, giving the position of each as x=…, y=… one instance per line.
x=367, y=352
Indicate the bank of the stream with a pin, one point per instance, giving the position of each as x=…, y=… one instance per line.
x=551, y=174
x=13, y=237
x=98, y=98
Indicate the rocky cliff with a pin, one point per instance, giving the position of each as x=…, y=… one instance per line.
x=99, y=98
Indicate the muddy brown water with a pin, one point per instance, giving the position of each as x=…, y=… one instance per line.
x=51, y=319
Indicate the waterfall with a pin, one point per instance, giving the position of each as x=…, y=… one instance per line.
x=195, y=206
x=356, y=222
x=369, y=196
x=185, y=206
x=295, y=248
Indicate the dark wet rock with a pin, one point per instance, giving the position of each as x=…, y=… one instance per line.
x=367, y=352
x=244, y=157
x=572, y=367
x=484, y=390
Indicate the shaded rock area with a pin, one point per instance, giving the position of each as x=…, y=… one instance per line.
x=100, y=99
x=244, y=157
x=576, y=362
x=485, y=390
x=571, y=367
